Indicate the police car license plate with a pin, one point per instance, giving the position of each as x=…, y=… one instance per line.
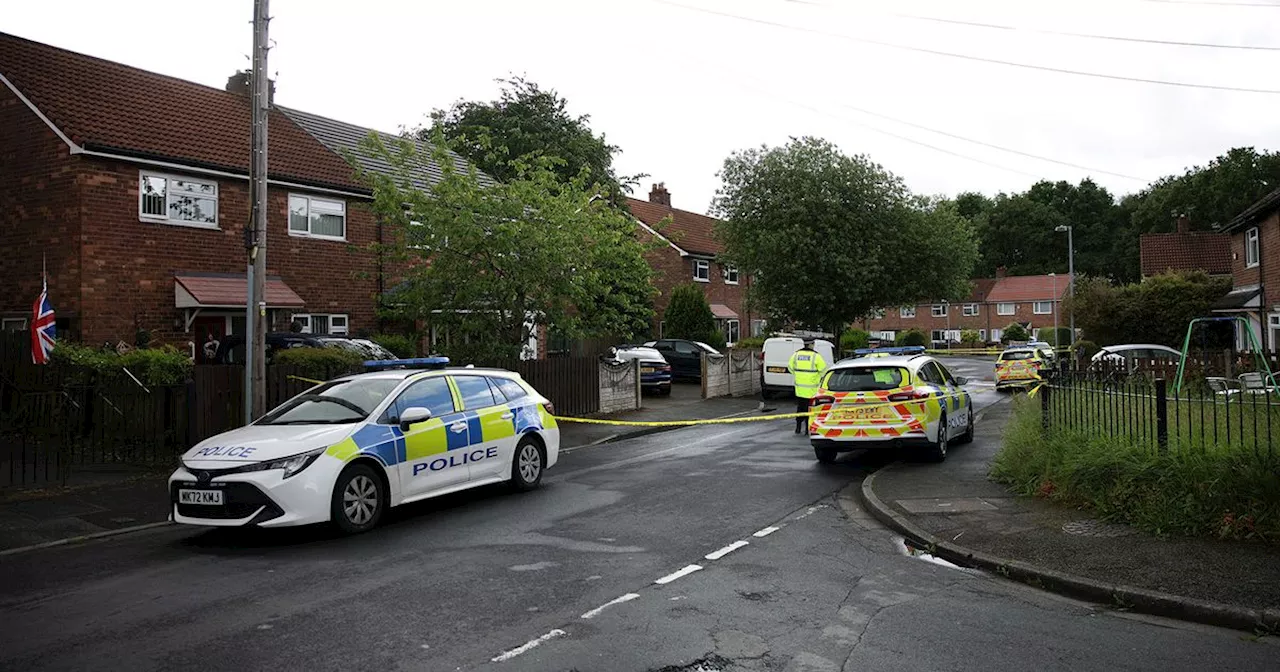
x=871, y=413
x=207, y=497
x=776, y=369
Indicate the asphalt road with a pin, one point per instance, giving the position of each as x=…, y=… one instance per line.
x=564, y=578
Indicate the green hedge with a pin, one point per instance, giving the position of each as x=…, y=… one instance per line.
x=752, y=343
x=911, y=337
x=320, y=363
x=400, y=345
x=854, y=339
x=152, y=366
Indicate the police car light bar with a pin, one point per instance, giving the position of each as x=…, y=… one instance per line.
x=414, y=363
x=904, y=350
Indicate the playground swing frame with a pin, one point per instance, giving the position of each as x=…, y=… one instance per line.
x=1259, y=359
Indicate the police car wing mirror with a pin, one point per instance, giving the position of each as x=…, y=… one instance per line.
x=961, y=380
x=412, y=416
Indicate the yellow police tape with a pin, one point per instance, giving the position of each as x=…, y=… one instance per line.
x=685, y=423
x=307, y=380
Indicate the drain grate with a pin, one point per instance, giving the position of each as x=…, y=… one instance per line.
x=711, y=663
x=1097, y=528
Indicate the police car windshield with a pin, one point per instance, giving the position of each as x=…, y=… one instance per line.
x=866, y=379
x=337, y=402
x=1012, y=355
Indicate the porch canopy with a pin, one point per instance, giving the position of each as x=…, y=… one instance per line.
x=228, y=290
x=1237, y=300
x=723, y=312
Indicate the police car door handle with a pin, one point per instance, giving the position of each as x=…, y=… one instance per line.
x=508, y=415
x=458, y=427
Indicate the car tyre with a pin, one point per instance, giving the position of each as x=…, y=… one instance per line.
x=937, y=450
x=527, y=465
x=967, y=437
x=824, y=455
x=359, y=499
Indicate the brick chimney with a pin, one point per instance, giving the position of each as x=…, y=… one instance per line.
x=659, y=194
x=1001, y=271
x=1183, y=224
x=241, y=83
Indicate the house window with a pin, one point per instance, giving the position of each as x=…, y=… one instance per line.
x=13, y=324
x=907, y=312
x=1004, y=308
x=888, y=336
x=877, y=314
x=1251, y=247
x=177, y=200
x=970, y=309
x=939, y=310
x=982, y=335
x=732, y=331
x=757, y=328
x=1035, y=334
x=1042, y=307
x=702, y=270
x=316, y=323
x=662, y=327
x=995, y=334
x=730, y=275
x=317, y=217
x=938, y=335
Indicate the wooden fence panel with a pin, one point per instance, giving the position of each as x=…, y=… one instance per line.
x=571, y=383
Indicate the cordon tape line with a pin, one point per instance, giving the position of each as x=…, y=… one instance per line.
x=307, y=380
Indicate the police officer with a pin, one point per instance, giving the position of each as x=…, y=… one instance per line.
x=806, y=367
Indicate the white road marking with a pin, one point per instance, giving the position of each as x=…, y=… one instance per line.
x=675, y=575
x=716, y=555
x=810, y=512
x=600, y=609
x=766, y=531
x=527, y=646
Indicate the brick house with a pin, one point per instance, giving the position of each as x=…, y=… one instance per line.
x=1185, y=250
x=993, y=304
x=132, y=189
x=688, y=251
x=1255, y=269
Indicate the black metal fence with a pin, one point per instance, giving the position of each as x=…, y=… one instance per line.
x=1142, y=409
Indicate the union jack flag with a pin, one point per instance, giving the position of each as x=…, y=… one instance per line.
x=43, y=330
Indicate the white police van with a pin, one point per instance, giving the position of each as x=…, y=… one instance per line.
x=347, y=450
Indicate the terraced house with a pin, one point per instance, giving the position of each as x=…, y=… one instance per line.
x=132, y=189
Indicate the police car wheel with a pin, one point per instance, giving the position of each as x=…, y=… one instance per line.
x=967, y=437
x=825, y=455
x=937, y=451
x=358, y=499
x=526, y=467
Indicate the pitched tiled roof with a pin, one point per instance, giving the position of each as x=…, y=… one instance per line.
x=1013, y=289
x=346, y=139
x=689, y=231
x=110, y=107
x=981, y=288
x=1189, y=251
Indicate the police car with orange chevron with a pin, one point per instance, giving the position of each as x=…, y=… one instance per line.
x=346, y=450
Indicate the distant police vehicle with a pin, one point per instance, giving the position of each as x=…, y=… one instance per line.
x=348, y=449
x=889, y=397
x=1019, y=366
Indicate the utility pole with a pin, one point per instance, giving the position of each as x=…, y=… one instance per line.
x=256, y=306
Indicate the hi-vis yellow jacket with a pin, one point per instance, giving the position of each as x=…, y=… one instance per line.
x=807, y=367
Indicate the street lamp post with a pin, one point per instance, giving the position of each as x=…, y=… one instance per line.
x=1071, y=274
x=1054, y=306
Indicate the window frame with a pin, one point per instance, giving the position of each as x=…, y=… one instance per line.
x=1013, y=309
x=309, y=320
x=457, y=378
x=6, y=321
x=731, y=326
x=933, y=333
x=1035, y=308
x=391, y=415
x=1252, y=248
x=730, y=274
x=982, y=335
x=165, y=218
x=704, y=266
x=907, y=312
x=308, y=233
x=939, y=309
x=970, y=310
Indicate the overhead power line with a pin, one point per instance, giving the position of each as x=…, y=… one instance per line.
x=967, y=57
x=1215, y=4
x=1114, y=38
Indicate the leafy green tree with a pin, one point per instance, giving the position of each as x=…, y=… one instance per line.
x=911, y=337
x=1209, y=195
x=498, y=262
x=1014, y=332
x=529, y=121
x=854, y=338
x=1156, y=310
x=805, y=216
x=688, y=315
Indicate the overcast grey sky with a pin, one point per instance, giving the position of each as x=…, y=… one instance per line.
x=680, y=89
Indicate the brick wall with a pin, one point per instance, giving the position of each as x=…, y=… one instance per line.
x=987, y=318
x=671, y=269
x=39, y=213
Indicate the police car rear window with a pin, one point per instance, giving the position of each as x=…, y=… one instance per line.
x=1014, y=355
x=866, y=379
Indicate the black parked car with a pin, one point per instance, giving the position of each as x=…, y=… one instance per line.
x=685, y=357
x=231, y=348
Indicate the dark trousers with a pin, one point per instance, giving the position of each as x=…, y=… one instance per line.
x=802, y=422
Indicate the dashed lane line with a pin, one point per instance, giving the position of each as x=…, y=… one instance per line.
x=716, y=555
x=600, y=609
x=682, y=572
x=527, y=646
x=766, y=531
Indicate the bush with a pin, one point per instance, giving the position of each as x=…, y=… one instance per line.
x=753, y=343
x=715, y=339
x=320, y=363
x=1060, y=338
x=688, y=316
x=854, y=339
x=970, y=337
x=1213, y=492
x=1155, y=310
x=911, y=337
x=1015, y=332
x=1084, y=349
x=400, y=345
x=152, y=366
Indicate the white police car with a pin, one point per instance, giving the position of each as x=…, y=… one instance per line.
x=347, y=450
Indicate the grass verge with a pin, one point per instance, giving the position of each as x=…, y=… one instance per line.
x=1229, y=494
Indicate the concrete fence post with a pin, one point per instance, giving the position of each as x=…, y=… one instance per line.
x=639, y=389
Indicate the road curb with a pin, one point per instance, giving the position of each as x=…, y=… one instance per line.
x=1128, y=597
x=83, y=538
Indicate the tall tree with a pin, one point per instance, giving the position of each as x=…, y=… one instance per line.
x=829, y=236
x=529, y=121
x=1210, y=195
x=498, y=262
